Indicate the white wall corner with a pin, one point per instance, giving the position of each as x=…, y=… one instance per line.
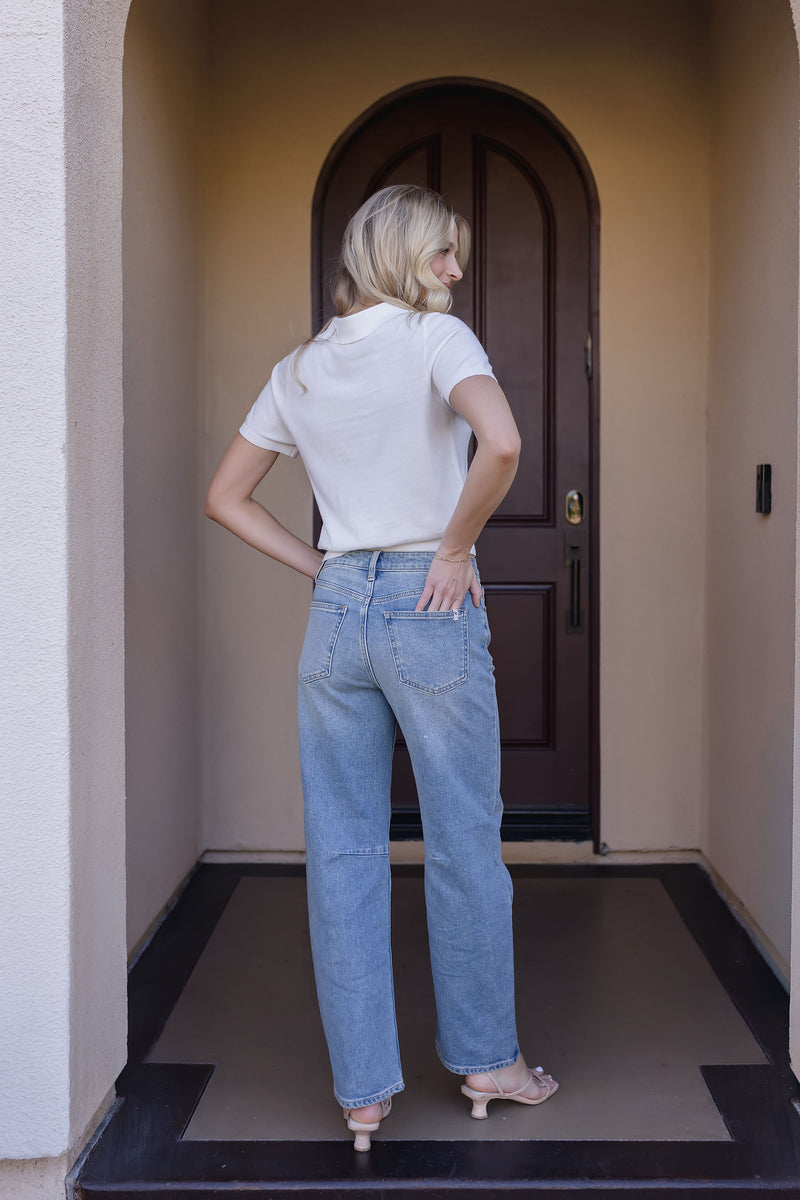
x=62, y=946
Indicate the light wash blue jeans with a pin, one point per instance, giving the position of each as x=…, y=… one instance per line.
x=369, y=662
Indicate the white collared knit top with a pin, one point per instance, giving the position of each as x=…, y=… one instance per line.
x=385, y=452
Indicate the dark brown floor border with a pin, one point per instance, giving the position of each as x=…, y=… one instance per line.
x=140, y=1154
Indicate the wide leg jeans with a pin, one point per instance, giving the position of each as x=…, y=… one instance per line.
x=369, y=662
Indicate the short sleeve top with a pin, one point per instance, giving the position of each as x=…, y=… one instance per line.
x=385, y=452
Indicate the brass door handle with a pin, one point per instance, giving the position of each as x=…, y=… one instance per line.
x=574, y=507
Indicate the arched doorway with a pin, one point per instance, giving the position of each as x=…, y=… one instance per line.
x=530, y=294
x=92, y=45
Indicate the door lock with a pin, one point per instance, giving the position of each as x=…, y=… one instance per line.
x=574, y=507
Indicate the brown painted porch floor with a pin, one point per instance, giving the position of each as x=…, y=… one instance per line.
x=614, y=998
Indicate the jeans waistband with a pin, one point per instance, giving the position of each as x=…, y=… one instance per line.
x=385, y=560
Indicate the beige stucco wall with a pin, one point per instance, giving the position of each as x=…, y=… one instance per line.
x=629, y=82
x=752, y=418
x=163, y=133
x=62, y=877
x=34, y=715
x=92, y=50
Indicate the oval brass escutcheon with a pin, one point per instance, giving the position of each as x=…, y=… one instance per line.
x=574, y=507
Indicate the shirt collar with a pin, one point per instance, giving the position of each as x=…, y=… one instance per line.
x=357, y=325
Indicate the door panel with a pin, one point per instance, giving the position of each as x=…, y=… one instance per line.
x=528, y=292
x=514, y=238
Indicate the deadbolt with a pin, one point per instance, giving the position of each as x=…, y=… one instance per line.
x=574, y=507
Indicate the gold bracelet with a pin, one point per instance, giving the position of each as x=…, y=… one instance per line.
x=443, y=559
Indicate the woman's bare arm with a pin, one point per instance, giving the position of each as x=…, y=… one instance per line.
x=482, y=403
x=230, y=503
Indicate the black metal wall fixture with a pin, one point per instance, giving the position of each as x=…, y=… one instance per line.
x=764, y=488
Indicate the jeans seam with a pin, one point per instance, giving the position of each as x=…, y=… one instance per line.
x=330, y=586
x=400, y=595
x=376, y=851
x=363, y=618
x=324, y=672
x=391, y=965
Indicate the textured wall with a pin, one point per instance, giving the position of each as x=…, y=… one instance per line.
x=752, y=418
x=630, y=83
x=34, y=717
x=62, y=892
x=163, y=128
x=93, y=111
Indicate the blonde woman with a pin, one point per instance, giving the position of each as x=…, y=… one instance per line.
x=380, y=405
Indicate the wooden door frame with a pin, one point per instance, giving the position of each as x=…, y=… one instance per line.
x=520, y=830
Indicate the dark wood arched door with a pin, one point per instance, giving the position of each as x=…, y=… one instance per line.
x=529, y=293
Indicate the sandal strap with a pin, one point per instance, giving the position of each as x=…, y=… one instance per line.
x=386, y=1108
x=501, y=1091
x=536, y=1072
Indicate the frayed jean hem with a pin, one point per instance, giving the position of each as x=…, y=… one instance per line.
x=374, y=1099
x=479, y=1069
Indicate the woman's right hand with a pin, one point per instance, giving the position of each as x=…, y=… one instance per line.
x=447, y=584
x=480, y=400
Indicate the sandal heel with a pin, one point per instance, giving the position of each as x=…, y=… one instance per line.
x=363, y=1130
x=479, y=1103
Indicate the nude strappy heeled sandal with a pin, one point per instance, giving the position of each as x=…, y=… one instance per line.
x=481, y=1099
x=363, y=1129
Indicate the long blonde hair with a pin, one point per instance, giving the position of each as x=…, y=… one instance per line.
x=386, y=254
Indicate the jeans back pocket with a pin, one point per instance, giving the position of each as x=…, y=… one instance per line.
x=316, y=656
x=430, y=649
